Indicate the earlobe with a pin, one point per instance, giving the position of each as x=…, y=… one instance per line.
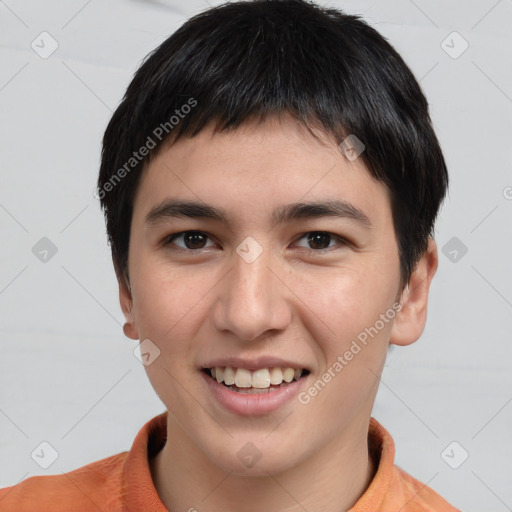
x=410, y=321
x=125, y=299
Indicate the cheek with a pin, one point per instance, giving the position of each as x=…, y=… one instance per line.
x=350, y=343
x=339, y=304
x=170, y=309
x=167, y=302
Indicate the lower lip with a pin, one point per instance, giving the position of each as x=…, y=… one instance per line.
x=246, y=404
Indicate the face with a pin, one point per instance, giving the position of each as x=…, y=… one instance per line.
x=231, y=269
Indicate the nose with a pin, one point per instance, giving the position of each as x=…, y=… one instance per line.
x=252, y=301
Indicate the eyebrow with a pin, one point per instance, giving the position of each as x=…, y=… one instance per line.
x=170, y=209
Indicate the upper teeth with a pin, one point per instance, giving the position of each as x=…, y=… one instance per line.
x=261, y=378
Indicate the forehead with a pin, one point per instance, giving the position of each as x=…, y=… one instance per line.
x=256, y=168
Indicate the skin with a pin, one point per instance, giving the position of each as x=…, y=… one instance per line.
x=291, y=302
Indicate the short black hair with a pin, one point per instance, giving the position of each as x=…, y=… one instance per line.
x=251, y=60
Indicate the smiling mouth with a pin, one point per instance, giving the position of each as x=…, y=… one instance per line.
x=263, y=380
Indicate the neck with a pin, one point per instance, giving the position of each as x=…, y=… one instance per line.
x=332, y=480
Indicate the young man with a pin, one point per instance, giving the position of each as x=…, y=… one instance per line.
x=270, y=183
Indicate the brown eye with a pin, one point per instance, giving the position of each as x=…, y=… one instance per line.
x=194, y=240
x=319, y=240
x=190, y=240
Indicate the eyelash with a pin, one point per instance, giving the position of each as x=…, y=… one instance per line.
x=341, y=241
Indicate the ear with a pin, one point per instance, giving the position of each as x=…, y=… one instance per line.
x=410, y=320
x=125, y=299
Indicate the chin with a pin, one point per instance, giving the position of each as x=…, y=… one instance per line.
x=261, y=468
x=254, y=458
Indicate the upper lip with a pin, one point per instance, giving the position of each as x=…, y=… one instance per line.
x=254, y=364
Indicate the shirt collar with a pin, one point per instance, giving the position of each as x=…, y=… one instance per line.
x=140, y=493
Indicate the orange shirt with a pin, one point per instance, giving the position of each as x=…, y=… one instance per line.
x=123, y=482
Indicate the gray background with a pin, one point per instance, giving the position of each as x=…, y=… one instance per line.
x=69, y=377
